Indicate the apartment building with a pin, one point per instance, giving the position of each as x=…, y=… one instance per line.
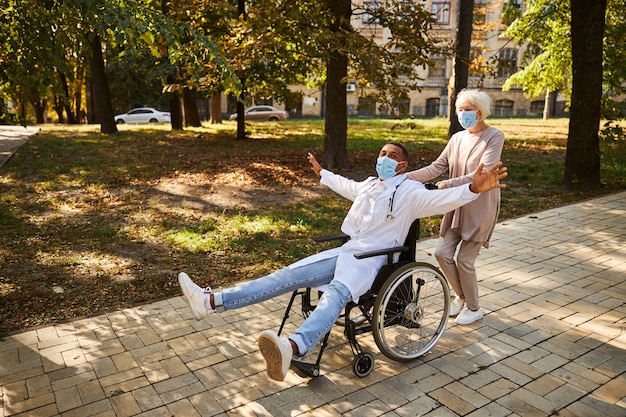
x=494, y=56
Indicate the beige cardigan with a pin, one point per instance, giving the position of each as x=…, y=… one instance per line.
x=461, y=156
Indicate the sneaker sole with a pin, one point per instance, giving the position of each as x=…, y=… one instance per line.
x=192, y=312
x=273, y=358
x=181, y=279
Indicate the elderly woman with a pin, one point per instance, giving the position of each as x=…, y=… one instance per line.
x=467, y=228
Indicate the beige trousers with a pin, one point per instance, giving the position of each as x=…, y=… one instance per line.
x=461, y=274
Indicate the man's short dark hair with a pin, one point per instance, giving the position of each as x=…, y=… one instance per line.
x=405, y=151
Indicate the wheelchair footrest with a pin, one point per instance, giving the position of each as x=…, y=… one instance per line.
x=305, y=369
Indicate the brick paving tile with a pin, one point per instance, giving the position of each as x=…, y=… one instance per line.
x=551, y=342
x=591, y=406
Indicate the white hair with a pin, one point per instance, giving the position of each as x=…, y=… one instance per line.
x=477, y=98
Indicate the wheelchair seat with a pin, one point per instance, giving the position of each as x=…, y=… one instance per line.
x=406, y=309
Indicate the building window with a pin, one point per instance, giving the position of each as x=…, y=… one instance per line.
x=478, y=63
x=536, y=107
x=511, y=10
x=400, y=107
x=203, y=108
x=438, y=66
x=432, y=107
x=480, y=12
x=504, y=108
x=507, y=62
x=441, y=12
x=366, y=107
x=369, y=14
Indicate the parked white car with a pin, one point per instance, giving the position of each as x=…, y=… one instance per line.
x=263, y=113
x=144, y=115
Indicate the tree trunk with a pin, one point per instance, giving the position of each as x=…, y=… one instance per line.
x=582, y=158
x=336, y=121
x=461, y=60
x=190, y=105
x=92, y=112
x=102, y=96
x=23, y=113
x=58, y=109
x=40, y=111
x=78, y=96
x=215, y=109
x=176, y=109
x=71, y=119
x=546, y=105
x=241, y=122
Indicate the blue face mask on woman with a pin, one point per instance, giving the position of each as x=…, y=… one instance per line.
x=386, y=167
x=467, y=118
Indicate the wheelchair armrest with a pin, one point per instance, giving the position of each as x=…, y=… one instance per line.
x=389, y=252
x=342, y=236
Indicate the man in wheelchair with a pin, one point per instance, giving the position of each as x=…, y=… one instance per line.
x=383, y=209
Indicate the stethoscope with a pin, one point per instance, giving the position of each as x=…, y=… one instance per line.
x=390, y=216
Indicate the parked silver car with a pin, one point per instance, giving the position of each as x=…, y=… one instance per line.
x=263, y=113
x=144, y=115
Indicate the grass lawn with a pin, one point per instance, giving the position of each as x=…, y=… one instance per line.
x=91, y=222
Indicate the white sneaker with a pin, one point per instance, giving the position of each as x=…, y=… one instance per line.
x=277, y=352
x=467, y=316
x=194, y=296
x=456, y=305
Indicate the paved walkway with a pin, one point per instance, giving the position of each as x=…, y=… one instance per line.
x=552, y=343
x=11, y=138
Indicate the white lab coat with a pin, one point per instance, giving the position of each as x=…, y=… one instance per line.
x=383, y=224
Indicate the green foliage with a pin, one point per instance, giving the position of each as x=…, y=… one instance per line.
x=44, y=39
x=547, y=59
x=511, y=10
x=29, y=53
x=136, y=79
x=390, y=65
x=612, y=132
x=544, y=30
x=614, y=60
x=284, y=43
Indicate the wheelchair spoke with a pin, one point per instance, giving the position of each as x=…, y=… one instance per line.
x=411, y=312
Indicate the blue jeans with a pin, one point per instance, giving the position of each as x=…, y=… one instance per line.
x=321, y=320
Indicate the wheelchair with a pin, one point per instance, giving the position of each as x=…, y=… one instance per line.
x=406, y=309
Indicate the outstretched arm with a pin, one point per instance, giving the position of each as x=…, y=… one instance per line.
x=341, y=185
x=314, y=164
x=488, y=179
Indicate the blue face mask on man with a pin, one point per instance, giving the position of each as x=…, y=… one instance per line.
x=467, y=118
x=386, y=167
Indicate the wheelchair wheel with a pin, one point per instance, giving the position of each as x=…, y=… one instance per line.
x=411, y=311
x=363, y=364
